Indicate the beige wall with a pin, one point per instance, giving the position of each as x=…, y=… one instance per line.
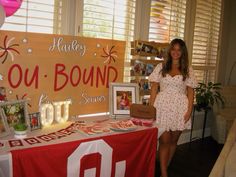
x=228, y=44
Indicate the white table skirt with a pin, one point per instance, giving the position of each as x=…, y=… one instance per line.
x=6, y=165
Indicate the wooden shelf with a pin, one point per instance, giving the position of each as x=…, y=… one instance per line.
x=146, y=48
x=154, y=62
x=141, y=67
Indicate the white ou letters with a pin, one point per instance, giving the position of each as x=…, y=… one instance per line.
x=96, y=146
x=49, y=110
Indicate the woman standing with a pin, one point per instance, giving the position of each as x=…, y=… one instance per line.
x=174, y=102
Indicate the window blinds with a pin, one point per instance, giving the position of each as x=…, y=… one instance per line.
x=42, y=16
x=110, y=19
x=206, y=38
x=167, y=20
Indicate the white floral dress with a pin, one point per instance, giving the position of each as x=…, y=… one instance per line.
x=171, y=102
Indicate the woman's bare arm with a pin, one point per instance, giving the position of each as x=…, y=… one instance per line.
x=154, y=87
x=190, y=95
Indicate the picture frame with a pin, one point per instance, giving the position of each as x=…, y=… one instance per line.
x=35, y=121
x=121, y=96
x=14, y=112
x=4, y=129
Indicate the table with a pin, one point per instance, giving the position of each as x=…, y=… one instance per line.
x=109, y=154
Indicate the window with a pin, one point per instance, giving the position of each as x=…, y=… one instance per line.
x=167, y=20
x=206, y=38
x=42, y=16
x=110, y=19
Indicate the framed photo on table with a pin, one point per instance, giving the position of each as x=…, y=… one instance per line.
x=14, y=112
x=4, y=129
x=35, y=121
x=121, y=96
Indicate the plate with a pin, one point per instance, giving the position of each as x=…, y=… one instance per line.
x=123, y=129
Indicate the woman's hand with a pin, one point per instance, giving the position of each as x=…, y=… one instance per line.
x=187, y=116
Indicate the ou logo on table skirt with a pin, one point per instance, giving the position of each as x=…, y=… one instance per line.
x=97, y=146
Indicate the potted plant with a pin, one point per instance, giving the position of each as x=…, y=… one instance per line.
x=20, y=130
x=207, y=95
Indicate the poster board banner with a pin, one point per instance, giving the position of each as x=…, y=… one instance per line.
x=60, y=67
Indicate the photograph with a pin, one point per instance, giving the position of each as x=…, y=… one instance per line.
x=123, y=99
x=146, y=48
x=34, y=120
x=4, y=131
x=121, y=96
x=144, y=84
x=139, y=68
x=145, y=99
x=14, y=112
x=149, y=69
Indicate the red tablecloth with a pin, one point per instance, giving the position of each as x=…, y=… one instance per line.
x=130, y=154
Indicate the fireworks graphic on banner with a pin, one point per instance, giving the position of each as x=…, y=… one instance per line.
x=8, y=49
x=109, y=54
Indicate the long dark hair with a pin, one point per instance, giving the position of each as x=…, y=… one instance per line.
x=183, y=64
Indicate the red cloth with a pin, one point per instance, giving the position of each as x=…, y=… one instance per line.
x=137, y=149
x=3, y=97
